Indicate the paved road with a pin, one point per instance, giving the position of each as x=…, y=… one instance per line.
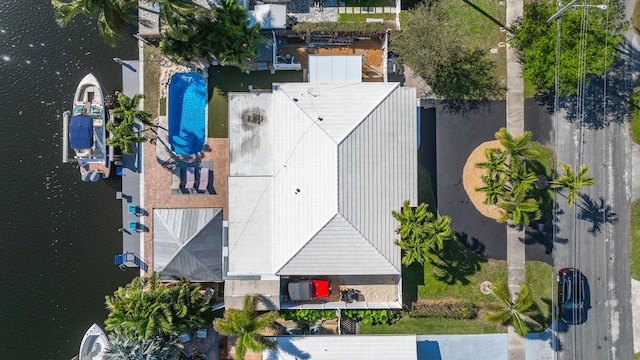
x=597, y=227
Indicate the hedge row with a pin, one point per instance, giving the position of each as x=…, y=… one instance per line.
x=444, y=308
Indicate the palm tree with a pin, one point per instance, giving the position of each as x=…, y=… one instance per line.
x=112, y=15
x=522, y=180
x=246, y=324
x=236, y=40
x=139, y=310
x=494, y=189
x=129, y=112
x=421, y=233
x=145, y=308
x=573, y=181
x=438, y=232
x=517, y=146
x=121, y=347
x=495, y=163
x=519, y=210
x=188, y=305
x=508, y=311
x=123, y=136
x=411, y=221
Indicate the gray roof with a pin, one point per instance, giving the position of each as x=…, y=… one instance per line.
x=331, y=347
x=329, y=163
x=188, y=243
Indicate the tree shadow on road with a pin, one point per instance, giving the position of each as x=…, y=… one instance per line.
x=597, y=212
x=605, y=102
x=542, y=232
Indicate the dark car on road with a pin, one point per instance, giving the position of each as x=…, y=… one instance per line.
x=572, y=296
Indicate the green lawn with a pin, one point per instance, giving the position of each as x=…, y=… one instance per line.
x=635, y=240
x=481, y=22
x=634, y=114
x=225, y=79
x=423, y=326
x=151, y=81
x=459, y=275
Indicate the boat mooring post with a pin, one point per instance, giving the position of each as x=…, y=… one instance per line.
x=65, y=136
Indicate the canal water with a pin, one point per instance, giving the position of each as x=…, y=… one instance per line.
x=58, y=234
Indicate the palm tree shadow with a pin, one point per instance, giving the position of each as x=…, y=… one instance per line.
x=548, y=325
x=455, y=263
x=288, y=346
x=597, y=212
x=541, y=232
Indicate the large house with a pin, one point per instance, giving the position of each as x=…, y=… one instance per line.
x=315, y=170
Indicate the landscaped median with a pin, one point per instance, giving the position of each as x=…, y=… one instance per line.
x=459, y=282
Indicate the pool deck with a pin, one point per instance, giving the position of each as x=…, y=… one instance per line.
x=157, y=185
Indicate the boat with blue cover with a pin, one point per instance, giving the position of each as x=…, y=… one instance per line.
x=88, y=132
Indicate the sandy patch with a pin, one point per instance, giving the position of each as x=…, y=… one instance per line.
x=472, y=179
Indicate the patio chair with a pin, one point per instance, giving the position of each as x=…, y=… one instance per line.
x=201, y=334
x=175, y=178
x=136, y=226
x=191, y=178
x=204, y=179
x=133, y=210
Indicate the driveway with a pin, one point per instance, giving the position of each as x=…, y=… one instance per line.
x=457, y=132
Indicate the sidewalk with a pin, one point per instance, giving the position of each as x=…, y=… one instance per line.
x=515, y=125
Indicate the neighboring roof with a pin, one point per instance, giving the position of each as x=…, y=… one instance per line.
x=269, y=16
x=330, y=347
x=335, y=68
x=236, y=290
x=81, y=132
x=188, y=243
x=315, y=171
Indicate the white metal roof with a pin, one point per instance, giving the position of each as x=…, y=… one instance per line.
x=188, y=243
x=322, y=171
x=331, y=347
x=335, y=68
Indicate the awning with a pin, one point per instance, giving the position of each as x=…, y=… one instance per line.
x=81, y=132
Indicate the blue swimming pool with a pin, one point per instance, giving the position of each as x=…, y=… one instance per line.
x=187, y=102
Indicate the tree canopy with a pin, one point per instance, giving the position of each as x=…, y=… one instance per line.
x=431, y=44
x=145, y=308
x=222, y=34
x=246, y=324
x=587, y=50
x=421, y=233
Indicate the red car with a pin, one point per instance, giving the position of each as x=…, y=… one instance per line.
x=304, y=290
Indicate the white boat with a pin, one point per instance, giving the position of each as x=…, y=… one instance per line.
x=94, y=344
x=88, y=132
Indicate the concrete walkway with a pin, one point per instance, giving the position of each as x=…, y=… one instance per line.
x=515, y=125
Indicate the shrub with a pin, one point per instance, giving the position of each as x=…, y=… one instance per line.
x=444, y=308
x=307, y=314
x=373, y=317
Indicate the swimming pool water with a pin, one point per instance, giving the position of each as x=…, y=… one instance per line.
x=186, y=110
